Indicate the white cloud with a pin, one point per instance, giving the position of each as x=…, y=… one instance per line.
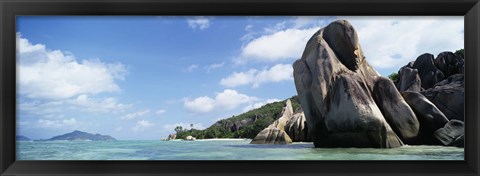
x=276, y=28
x=161, y=111
x=106, y=105
x=310, y=21
x=282, y=45
x=259, y=104
x=226, y=100
x=215, y=66
x=191, y=68
x=135, y=115
x=388, y=42
x=391, y=42
x=142, y=125
x=40, y=107
x=230, y=99
x=47, y=123
x=48, y=74
x=277, y=73
x=250, y=33
x=198, y=22
x=199, y=105
x=171, y=127
x=239, y=78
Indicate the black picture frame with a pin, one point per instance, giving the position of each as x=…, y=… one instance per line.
x=470, y=9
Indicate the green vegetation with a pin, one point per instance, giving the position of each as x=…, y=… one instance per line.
x=393, y=77
x=461, y=53
x=246, y=125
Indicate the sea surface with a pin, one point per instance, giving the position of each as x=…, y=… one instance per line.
x=219, y=150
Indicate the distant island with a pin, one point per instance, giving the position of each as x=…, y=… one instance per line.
x=81, y=136
x=22, y=138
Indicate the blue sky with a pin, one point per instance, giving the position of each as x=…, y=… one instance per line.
x=139, y=77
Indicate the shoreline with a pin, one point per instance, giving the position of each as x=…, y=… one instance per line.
x=224, y=139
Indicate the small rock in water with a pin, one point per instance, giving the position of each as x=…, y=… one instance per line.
x=190, y=138
x=452, y=134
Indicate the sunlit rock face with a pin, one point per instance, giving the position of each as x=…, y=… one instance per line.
x=289, y=127
x=345, y=100
x=347, y=103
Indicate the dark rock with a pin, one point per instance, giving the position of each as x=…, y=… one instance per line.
x=449, y=96
x=303, y=83
x=343, y=40
x=429, y=116
x=271, y=136
x=410, y=64
x=236, y=126
x=452, y=133
x=334, y=83
x=247, y=121
x=82, y=136
x=428, y=72
x=396, y=111
x=354, y=120
x=449, y=63
x=408, y=80
x=459, y=142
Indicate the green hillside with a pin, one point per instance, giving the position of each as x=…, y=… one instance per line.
x=246, y=125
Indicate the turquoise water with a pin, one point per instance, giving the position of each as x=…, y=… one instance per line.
x=220, y=150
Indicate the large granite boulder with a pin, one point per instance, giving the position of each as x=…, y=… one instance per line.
x=449, y=96
x=271, y=136
x=343, y=40
x=395, y=110
x=428, y=72
x=296, y=127
x=292, y=127
x=441, y=81
x=449, y=63
x=353, y=118
x=334, y=83
x=452, y=134
x=408, y=80
x=429, y=116
x=287, y=113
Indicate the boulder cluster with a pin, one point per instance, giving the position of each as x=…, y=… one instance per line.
x=347, y=103
x=436, y=85
x=290, y=127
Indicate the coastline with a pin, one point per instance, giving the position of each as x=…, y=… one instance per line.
x=224, y=139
